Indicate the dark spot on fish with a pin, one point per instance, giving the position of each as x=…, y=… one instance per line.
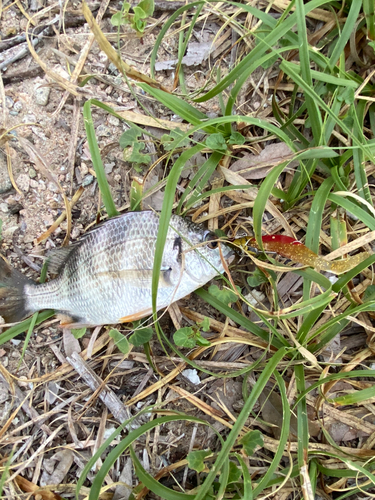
x=178, y=244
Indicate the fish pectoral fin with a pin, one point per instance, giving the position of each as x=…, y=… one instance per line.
x=136, y=316
x=67, y=321
x=140, y=278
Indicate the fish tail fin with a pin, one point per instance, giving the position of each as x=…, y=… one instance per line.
x=12, y=295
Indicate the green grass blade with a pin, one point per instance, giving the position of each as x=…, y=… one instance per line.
x=312, y=108
x=346, y=32
x=121, y=448
x=240, y=319
x=97, y=161
x=284, y=436
x=153, y=485
x=165, y=216
x=199, y=181
x=259, y=50
x=270, y=367
x=22, y=327
x=179, y=107
x=361, y=214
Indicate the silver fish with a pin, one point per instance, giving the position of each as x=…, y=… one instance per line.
x=105, y=277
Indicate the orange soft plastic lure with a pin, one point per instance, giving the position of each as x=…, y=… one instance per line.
x=292, y=249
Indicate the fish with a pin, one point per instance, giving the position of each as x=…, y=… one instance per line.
x=104, y=278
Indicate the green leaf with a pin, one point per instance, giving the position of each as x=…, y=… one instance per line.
x=184, y=337
x=134, y=155
x=196, y=459
x=147, y=6
x=256, y=278
x=129, y=137
x=78, y=332
x=234, y=473
x=169, y=140
x=250, y=441
x=141, y=336
x=139, y=13
x=216, y=142
x=225, y=295
x=120, y=340
x=202, y=341
x=236, y=138
x=205, y=324
x=346, y=95
x=118, y=19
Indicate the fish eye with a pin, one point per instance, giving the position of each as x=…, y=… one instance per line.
x=211, y=240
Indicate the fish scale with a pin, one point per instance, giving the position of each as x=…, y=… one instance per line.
x=105, y=278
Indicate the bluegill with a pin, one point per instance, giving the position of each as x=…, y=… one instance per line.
x=105, y=277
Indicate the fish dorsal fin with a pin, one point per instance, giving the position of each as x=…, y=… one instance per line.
x=57, y=258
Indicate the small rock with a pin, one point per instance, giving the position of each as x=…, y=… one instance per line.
x=8, y=232
x=4, y=207
x=23, y=182
x=112, y=69
x=42, y=95
x=75, y=233
x=29, y=118
x=87, y=180
x=108, y=167
x=192, y=375
x=32, y=173
x=13, y=113
x=5, y=184
x=118, y=80
x=255, y=297
x=33, y=183
x=52, y=187
x=112, y=120
x=9, y=102
x=17, y=106
x=84, y=169
x=103, y=131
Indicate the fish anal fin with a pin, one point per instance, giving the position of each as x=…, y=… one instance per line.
x=136, y=316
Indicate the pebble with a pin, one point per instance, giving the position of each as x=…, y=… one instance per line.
x=112, y=120
x=17, y=106
x=4, y=207
x=108, y=167
x=5, y=184
x=13, y=113
x=9, y=232
x=32, y=173
x=52, y=187
x=103, y=131
x=29, y=118
x=9, y=102
x=254, y=298
x=84, y=169
x=112, y=69
x=87, y=180
x=23, y=182
x=42, y=95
